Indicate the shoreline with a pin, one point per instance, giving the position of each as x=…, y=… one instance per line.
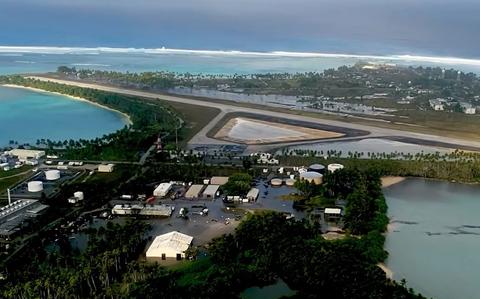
x=388, y=181
x=125, y=117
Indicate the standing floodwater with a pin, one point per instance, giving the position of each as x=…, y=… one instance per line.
x=434, y=238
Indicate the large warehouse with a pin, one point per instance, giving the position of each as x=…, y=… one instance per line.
x=194, y=191
x=170, y=245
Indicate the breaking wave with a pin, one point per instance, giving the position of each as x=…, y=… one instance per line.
x=166, y=51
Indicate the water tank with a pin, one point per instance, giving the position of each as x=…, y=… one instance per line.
x=317, y=168
x=312, y=177
x=35, y=186
x=334, y=167
x=290, y=182
x=78, y=195
x=276, y=182
x=52, y=175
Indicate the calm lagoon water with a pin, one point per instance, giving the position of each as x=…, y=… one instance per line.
x=26, y=116
x=434, y=242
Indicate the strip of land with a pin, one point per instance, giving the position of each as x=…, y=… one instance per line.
x=202, y=138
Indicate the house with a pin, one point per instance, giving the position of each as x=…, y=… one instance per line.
x=438, y=104
x=169, y=245
x=332, y=213
x=468, y=108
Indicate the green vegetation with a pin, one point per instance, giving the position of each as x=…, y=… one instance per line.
x=149, y=121
x=238, y=184
x=457, y=166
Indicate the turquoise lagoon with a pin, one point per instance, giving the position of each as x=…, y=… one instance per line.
x=26, y=116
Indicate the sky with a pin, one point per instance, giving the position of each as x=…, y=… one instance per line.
x=424, y=27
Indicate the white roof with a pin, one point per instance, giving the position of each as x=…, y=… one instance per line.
x=211, y=190
x=175, y=241
x=253, y=193
x=163, y=187
x=336, y=211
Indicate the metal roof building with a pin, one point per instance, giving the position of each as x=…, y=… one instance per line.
x=169, y=245
x=210, y=191
x=194, y=191
x=162, y=189
x=252, y=195
x=219, y=180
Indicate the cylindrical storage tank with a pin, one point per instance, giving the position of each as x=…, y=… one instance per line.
x=35, y=186
x=334, y=167
x=78, y=195
x=312, y=177
x=317, y=168
x=276, y=182
x=289, y=182
x=52, y=175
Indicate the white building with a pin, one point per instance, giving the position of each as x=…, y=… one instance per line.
x=24, y=154
x=106, y=167
x=219, y=180
x=437, y=104
x=252, y=195
x=162, y=190
x=194, y=191
x=468, y=108
x=211, y=191
x=170, y=245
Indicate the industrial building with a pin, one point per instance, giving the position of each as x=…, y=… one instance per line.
x=211, y=191
x=169, y=246
x=24, y=154
x=194, y=191
x=219, y=180
x=106, y=167
x=146, y=210
x=17, y=215
x=252, y=195
x=162, y=189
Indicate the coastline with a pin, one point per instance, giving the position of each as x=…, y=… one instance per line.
x=125, y=117
x=388, y=181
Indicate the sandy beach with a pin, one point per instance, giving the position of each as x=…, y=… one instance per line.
x=388, y=181
x=125, y=116
x=388, y=272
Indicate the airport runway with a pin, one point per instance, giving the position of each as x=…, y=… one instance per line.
x=201, y=137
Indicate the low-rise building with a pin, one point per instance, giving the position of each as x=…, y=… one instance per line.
x=211, y=191
x=162, y=189
x=14, y=216
x=24, y=154
x=106, y=167
x=252, y=195
x=171, y=245
x=438, y=104
x=194, y=191
x=219, y=180
x=146, y=210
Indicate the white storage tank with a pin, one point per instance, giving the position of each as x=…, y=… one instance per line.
x=52, y=175
x=317, y=168
x=35, y=186
x=78, y=195
x=290, y=182
x=312, y=177
x=276, y=182
x=334, y=167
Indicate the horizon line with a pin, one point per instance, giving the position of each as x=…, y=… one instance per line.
x=290, y=54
